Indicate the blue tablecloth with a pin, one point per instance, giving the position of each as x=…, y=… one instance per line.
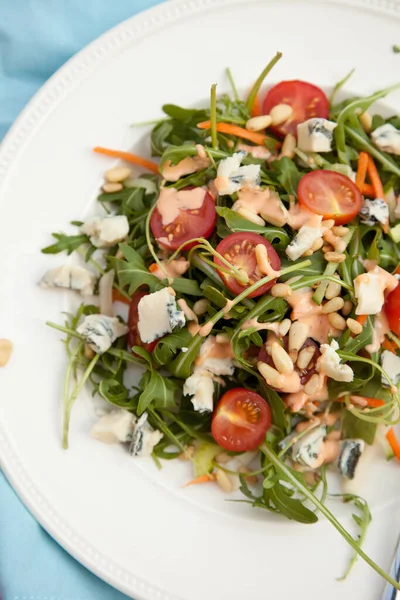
x=36, y=38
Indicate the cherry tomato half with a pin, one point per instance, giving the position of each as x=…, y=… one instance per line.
x=188, y=224
x=241, y=420
x=239, y=250
x=306, y=100
x=330, y=194
x=133, y=319
x=392, y=310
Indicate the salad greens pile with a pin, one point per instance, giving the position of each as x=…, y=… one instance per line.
x=286, y=472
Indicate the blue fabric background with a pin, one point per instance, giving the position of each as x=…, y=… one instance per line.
x=36, y=38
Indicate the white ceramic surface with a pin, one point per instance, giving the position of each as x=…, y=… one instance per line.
x=132, y=525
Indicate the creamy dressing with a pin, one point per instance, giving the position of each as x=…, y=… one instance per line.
x=190, y=164
x=260, y=326
x=205, y=330
x=380, y=329
x=298, y=216
x=170, y=269
x=221, y=183
x=263, y=202
x=289, y=384
x=214, y=349
x=171, y=201
x=296, y=401
x=187, y=311
x=263, y=264
x=307, y=311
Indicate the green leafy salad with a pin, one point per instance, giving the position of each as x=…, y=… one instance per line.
x=257, y=259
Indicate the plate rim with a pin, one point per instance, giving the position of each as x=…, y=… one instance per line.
x=57, y=88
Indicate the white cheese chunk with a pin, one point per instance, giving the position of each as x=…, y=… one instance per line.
x=158, y=315
x=231, y=177
x=374, y=211
x=391, y=364
x=305, y=238
x=115, y=426
x=369, y=290
x=315, y=135
x=201, y=387
x=70, y=277
x=306, y=451
x=144, y=437
x=387, y=138
x=106, y=231
x=216, y=357
x=329, y=363
x=100, y=331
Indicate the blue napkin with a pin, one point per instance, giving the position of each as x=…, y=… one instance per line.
x=36, y=38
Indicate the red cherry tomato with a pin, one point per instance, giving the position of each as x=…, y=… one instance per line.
x=306, y=100
x=133, y=319
x=188, y=224
x=241, y=420
x=392, y=310
x=330, y=194
x=304, y=374
x=239, y=250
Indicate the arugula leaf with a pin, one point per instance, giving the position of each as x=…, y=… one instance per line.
x=186, y=115
x=115, y=392
x=181, y=366
x=290, y=507
x=354, y=345
x=353, y=427
x=132, y=271
x=279, y=415
x=167, y=346
x=190, y=287
x=288, y=174
x=159, y=391
x=66, y=243
x=316, y=267
x=278, y=237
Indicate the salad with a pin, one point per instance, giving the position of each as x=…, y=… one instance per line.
x=258, y=260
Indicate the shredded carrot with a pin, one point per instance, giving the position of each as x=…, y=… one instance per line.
x=252, y=136
x=153, y=268
x=361, y=319
x=256, y=110
x=397, y=271
x=376, y=184
x=367, y=189
x=388, y=345
x=118, y=297
x=202, y=479
x=371, y=402
x=362, y=170
x=132, y=158
x=394, y=444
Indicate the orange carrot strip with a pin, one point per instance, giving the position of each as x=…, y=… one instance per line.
x=362, y=170
x=252, y=136
x=367, y=189
x=394, y=444
x=397, y=271
x=376, y=184
x=129, y=157
x=153, y=268
x=361, y=319
x=202, y=479
x=256, y=111
x=118, y=297
x=388, y=345
x=371, y=402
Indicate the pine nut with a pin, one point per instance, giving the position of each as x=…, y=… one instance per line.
x=305, y=357
x=250, y=216
x=88, y=352
x=117, y=174
x=328, y=224
x=281, y=358
x=332, y=306
x=335, y=257
x=280, y=113
x=281, y=290
x=200, y=307
x=354, y=326
x=187, y=454
x=251, y=479
x=340, y=245
x=271, y=375
x=327, y=248
x=6, y=349
x=308, y=253
x=340, y=231
x=366, y=121
x=317, y=245
x=333, y=290
x=110, y=188
x=312, y=386
x=259, y=123
x=222, y=458
x=289, y=146
x=337, y=321
x=298, y=333
x=223, y=481
x=347, y=307
x=284, y=327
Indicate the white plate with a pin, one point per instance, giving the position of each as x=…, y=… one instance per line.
x=132, y=525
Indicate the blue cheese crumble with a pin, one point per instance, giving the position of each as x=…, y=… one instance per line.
x=374, y=211
x=158, y=315
x=100, y=331
x=70, y=277
x=315, y=135
x=144, y=437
